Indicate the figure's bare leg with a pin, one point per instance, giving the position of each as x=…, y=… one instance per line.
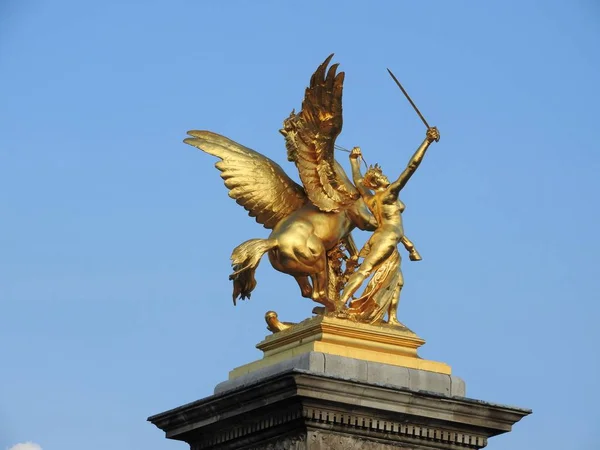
x=352, y=262
x=413, y=254
x=380, y=248
x=305, y=287
x=356, y=279
x=393, y=309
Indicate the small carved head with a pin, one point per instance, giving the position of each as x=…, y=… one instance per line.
x=375, y=179
x=289, y=132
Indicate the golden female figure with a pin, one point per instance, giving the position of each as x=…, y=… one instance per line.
x=383, y=202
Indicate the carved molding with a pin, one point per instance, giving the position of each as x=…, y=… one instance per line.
x=350, y=423
x=247, y=428
x=364, y=422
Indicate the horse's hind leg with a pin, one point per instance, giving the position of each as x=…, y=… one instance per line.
x=319, y=294
x=305, y=288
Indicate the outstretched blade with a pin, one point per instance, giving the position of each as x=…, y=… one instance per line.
x=409, y=99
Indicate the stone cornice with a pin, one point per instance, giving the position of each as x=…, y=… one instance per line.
x=298, y=395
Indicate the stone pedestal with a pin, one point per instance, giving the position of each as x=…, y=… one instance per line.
x=321, y=400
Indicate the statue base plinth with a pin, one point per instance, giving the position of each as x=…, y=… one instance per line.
x=386, y=344
x=318, y=401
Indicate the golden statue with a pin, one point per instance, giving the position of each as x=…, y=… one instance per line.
x=381, y=251
x=311, y=224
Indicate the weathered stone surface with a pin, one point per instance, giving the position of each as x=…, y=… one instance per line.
x=326, y=441
x=356, y=370
x=299, y=409
x=318, y=440
x=346, y=368
x=457, y=387
x=419, y=380
x=384, y=374
x=283, y=442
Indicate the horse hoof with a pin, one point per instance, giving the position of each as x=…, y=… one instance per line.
x=319, y=310
x=306, y=293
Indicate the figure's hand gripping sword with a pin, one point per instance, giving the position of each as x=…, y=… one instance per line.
x=410, y=100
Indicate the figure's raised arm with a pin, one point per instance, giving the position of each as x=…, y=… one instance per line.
x=432, y=135
x=357, y=177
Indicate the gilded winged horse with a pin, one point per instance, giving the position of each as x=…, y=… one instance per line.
x=306, y=221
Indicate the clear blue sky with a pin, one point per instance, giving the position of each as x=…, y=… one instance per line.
x=115, y=237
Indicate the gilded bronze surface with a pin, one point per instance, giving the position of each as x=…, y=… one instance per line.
x=393, y=345
x=311, y=224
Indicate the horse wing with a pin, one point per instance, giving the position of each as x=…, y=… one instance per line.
x=310, y=139
x=254, y=181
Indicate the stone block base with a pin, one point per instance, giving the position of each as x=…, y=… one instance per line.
x=358, y=370
x=338, y=404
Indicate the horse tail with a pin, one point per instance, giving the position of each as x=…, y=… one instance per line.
x=244, y=260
